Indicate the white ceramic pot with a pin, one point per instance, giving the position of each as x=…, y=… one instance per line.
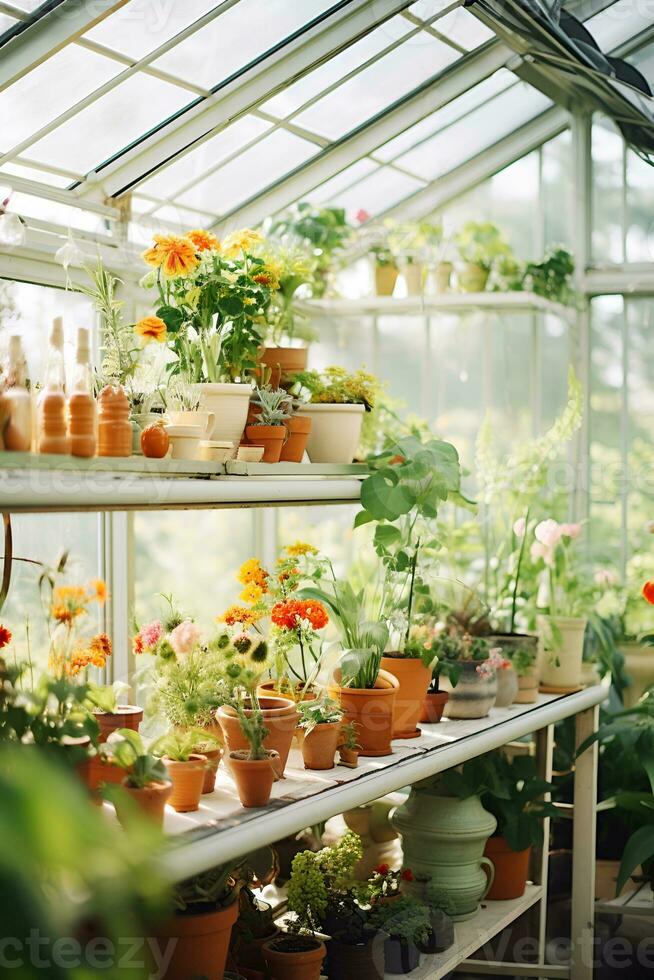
x=413, y=278
x=204, y=419
x=442, y=277
x=216, y=452
x=563, y=642
x=507, y=687
x=184, y=441
x=250, y=454
x=335, y=432
x=229, y=404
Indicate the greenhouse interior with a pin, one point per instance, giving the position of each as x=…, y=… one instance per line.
x=327, y=586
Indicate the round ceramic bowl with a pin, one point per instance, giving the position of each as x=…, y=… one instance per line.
x=213, y=451
x=250, y=454
x=184, y=440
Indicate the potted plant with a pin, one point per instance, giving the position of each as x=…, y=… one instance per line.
x=421, y=643
x=552, y=277
x=299, y=428
x=385, y=885
x=147, y=782
x=348, y=748
x=253, y=769
x=323, y=233
x=335, y=400
x=441, y=927
x=210, y=747
x=320, y=721
x=386, y=270
x=268, y=429
x=294, y=268
x=111, y=715
x=212, y=300
x=185, y=766
x=507, y=680
x=481, y=246
x=254, y=927
x=294, y=957
x=406, y=925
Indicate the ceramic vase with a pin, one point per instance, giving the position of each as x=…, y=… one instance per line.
x=507, y=687
x=335, y=432
x=475, y=691
x=563, y=641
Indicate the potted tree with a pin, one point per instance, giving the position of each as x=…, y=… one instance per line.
x=271, y=410
x=335, y=400
x=320, y=722
x=481, y=248
x=185, y=766
x=147, y=782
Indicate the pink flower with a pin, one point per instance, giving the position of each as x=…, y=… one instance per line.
x=150, y=634
x=539, y=550
x=184, y=638
x=571, y=531
x=520, y=527
x=362, y=216
x=549, y=532
x=605, y=577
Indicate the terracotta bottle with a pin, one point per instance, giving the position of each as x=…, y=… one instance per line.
x=17, y=401
x=82, y=414
x=114, y=427
x=52, y=430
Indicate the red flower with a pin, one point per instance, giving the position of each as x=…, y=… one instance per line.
x=382, y=870
x=407, y=874
x=5, y=636
x=287, y=615
x=648, y=592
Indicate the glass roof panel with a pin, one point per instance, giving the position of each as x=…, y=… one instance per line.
x=311, y=85
x=66, y=77
x=376, y=193
x=330, y=188
x=137, y=105
x=618, y=23
x=237, y=37
x=475, y=132
x=249, y=173
x=6, y=22
x=183, y=217
x=195, y=164
x=378, y=86
x=141, y=26
x=27, y=5
x=31, y=173
x=644, y=62
x=474, y=97
x=425, y=9
x=464, y=29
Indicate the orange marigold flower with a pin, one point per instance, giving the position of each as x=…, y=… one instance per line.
x=175, y=256
x=300, y=548
x=101, y=645
x=266, y=278
x=5, y=636
x=99, y=587
x=137, y=644
x=240, y=614
x=151, y=328
x=251, y=573
x=648, y=592
x=203, y=240
x=287, y=615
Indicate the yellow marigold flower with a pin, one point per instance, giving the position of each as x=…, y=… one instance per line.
x=300, y=548
x=241, y=241
x=251, y=572
x=203, y=240
x=175, y=256
x=151, y=328
x=240, y=614
x=251, y=593
x=266, y=277
x=99, y=587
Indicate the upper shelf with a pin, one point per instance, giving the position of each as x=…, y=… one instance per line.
x=455, y=303
x=33, y=483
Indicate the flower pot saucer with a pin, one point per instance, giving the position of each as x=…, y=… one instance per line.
x=545, y=689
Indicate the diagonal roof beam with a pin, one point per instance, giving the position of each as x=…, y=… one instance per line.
x=450, y=84
x=49, y=34
x=349, y=22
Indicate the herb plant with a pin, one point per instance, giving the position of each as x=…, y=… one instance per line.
x=274, y=406
x=125, y=748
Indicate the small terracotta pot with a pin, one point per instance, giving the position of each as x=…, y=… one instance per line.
x=151, y=800
x=299, y=428
x=348, y=757
x=248, y=956
x=511, y=869
x=280, y=716
x=253, y=777
x=371, y=711
x=199, y=943
x=414, y=679
x=271, y=437
x=432, y=707
x=269, y=689
x=301, y=965
x=213, y=761
x=97, y=772
x=320, y=744
x=284, y=362
x=127, y=716
x=188, y=780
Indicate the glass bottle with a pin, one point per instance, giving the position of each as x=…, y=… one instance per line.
x=82, y=413
x=52, y=430
x=17, y=401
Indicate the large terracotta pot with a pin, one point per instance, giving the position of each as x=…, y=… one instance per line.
x=320, y=744
x=511, y=869
x=187, y=779
x=563, y=640
x=511, y=644
x=199, y=944
x=335, y=432
x=253, y=777
x=299, y=427
x=507, y=687
x=280, y=716
x=304, y=965
x=433, y=707
x=151, y=800
x=444, y=838
x=385, y=279
x=371, y=710
x=271, y=437
x=474, y=694
x=284, y=362
x=414, y=679
x=229, y=404
x=126, y=716
x=639, y=665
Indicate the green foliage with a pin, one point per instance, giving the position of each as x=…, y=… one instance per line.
x=211, y=890
x=316, y=878
x=120, y=353
x=252, y=726
x=336, y=386
x=482, y=244
x=126, y=749
x=406, y=920
x=322, y=711
x=552, y=277
x=523, y=659
x=275, y=406
x=189, y=689
x=323, y=232
x=179, y=745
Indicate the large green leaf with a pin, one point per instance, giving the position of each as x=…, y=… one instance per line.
x=172, y=317
x=383, y=500
x=639, y=849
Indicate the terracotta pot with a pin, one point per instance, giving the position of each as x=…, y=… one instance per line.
x=271, y=437
x=253, y=777
x=385, y=279
x=639, y=665
x=474, y=694
x=414, y=679
x=560, y=665
x=301, y=965
x=269, y=689
x=199, y=943
x=213, y=757
x=97, y=772
x=127, y=716
x=299, y=427
x=511, y=870
x=472, y=278
x=188, y=780
x=507, y=687
x=348, y=962
x=335, y=432
x=284, y=362
x=280, y=716
x=151, y=800
x=320, y=744
x=348, y=757
x=371, y=711
x=432, y=707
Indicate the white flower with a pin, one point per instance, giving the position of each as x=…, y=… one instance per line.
x=548, y=532
x=539, y=550
x=184, y=638
x=520, y=527
x=571, y=531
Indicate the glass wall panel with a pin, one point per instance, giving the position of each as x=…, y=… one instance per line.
x=608, y=193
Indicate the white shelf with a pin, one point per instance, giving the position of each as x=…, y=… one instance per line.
x=222, y=830
x=637, y=901
x=452, y=303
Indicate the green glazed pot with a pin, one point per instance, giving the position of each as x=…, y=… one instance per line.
x=444, y=838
